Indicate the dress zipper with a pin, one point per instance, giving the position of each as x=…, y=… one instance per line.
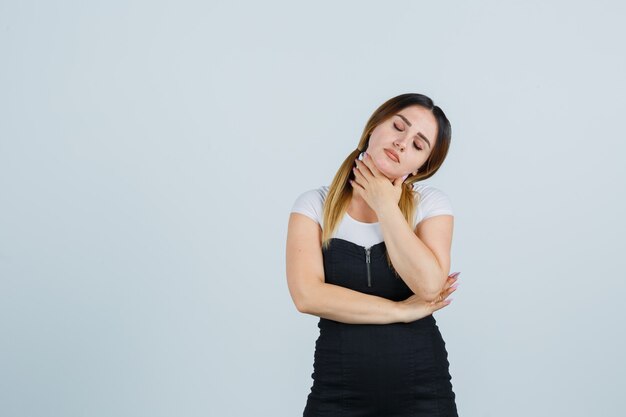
x=367, y=262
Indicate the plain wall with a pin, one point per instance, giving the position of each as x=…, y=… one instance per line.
x=150, y=153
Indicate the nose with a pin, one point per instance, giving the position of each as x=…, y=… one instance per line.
x=398, y=143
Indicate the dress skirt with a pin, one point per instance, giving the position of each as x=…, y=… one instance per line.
x=377, y=370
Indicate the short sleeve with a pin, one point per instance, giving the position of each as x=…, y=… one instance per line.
x=433, y=202
x=310, y=203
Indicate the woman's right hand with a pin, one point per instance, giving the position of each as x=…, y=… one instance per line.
x=414, y=308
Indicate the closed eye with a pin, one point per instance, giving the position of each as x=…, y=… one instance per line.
x=414, y=144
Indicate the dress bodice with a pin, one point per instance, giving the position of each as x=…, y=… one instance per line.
x=363, y=269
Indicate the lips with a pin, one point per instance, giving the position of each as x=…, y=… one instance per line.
x=392, y=155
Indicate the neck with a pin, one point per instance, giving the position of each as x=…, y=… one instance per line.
x=358, y=204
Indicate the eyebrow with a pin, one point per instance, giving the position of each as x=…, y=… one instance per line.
x=420, y=134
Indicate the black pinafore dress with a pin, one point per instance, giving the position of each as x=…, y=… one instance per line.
x=378, y=370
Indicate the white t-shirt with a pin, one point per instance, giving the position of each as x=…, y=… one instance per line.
x=433, y=202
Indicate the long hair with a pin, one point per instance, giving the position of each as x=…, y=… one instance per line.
x=340, y=190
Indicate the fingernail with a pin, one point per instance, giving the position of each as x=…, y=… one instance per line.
x=455, y=285
x=450, y=300
x=455, y=274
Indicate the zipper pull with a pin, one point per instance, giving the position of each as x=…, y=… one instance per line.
x=367, y=262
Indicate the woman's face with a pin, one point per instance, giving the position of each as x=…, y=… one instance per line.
x=403, y=133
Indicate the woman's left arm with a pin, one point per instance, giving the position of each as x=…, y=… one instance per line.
x=421, y=257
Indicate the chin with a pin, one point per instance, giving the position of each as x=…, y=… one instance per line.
x=381, y=167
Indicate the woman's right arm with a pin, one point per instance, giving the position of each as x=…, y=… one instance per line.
x=311, y=295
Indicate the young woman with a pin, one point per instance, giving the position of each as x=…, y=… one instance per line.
x=370, y=255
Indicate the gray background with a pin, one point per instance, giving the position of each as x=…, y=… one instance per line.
x=150, y=153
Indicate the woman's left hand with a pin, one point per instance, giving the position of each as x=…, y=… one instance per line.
x=375, y=188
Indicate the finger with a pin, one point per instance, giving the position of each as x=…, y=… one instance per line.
x=445, y=300
x=370, y=164
x=449, y=282
x=363, y=166
x=446, y=292
x=358, y=175
x=452, y=279
x=356, y=185
x=441, y=304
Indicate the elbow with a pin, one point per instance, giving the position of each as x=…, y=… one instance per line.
x=305, y=297
x=433, y=292
x=429, y=296
x=301, y=305
x=300, y=297
x=307, y=300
